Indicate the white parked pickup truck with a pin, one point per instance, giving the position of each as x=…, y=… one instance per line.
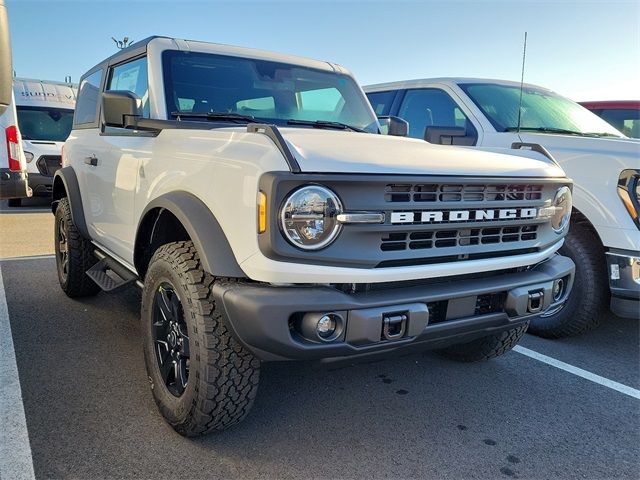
x=604, y=238
x=253, y=199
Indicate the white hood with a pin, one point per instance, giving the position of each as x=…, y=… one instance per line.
x=351, y=152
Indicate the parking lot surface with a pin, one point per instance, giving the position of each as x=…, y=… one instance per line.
x=90, y=414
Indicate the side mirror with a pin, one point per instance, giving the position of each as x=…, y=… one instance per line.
x=6, y=68
x=444, y=135
x=396, y=126
x=120, y=108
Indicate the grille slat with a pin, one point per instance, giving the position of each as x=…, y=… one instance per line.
x=457, y=237
x=435, y=193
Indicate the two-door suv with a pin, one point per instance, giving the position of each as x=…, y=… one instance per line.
x=253, y=198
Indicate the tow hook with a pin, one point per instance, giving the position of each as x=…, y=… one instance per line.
x=536, y=301
x=394, y=326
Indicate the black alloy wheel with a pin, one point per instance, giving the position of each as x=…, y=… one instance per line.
x=62, y=250
x=170, y=339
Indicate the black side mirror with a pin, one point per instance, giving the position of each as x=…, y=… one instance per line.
x=6, y=68
x=444, y=135
x=120, y=108
x=395, y=126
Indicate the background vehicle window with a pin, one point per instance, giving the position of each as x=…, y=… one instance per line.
x=44, y=123
x=87, y=102
x=381, y=102
x=132, y=76
x=627, y=120
x=430, y=107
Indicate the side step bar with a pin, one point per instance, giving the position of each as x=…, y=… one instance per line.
x=109, y=274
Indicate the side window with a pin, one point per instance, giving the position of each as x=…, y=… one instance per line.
x=431, y=107
x=132, y=76
x=87, y=102
x=381, y=102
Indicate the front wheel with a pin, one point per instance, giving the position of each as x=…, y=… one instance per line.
x=202, y=378
x=487, y=347
x=588, y=300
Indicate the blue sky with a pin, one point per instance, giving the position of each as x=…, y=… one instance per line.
x=585, y=50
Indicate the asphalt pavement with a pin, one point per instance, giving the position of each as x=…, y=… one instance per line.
x=90, y=413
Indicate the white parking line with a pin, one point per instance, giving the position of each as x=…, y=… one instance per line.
x=30, y=257
x=605, y=382
x=15, y=450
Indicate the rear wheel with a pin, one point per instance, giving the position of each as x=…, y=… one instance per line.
x=202, y=378
x=487, y=347
x=74, y=255
x=14, y=202
x=588, y=300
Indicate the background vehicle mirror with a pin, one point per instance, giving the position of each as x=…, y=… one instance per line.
x=6, y=67
x=396, y=126
x=120, y=108
x=444, y=135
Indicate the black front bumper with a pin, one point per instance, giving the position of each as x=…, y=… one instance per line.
x=624, y=280
x=13, y=184
x=273, y=321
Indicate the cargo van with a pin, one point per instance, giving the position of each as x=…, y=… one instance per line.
x=13, y=167
x=45, y=113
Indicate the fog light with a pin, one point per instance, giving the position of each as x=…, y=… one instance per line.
x=558, y=289
x=326, y=326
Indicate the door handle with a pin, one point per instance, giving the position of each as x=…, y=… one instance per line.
x=92, y=160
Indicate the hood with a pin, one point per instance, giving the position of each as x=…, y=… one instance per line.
x=571, y=151
x=329, y=151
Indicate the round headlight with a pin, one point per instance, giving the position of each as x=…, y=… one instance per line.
x=308, y=217
x=562, y=203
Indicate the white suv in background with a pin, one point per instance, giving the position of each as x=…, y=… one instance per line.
x=603, y=241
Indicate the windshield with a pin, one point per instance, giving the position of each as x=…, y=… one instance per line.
x=541, y=110
x=44, y=123
x=201, y=83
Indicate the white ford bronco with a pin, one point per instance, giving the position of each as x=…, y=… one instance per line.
x=253, y=199
x=604, y=238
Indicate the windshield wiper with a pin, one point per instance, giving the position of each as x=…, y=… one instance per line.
x=543, y=130
x=324, y=124
x=228, y=116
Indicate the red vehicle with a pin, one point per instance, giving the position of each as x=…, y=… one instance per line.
x=622, y=114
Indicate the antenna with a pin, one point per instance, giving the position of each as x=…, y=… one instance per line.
x=122, y=44
x=524, y=56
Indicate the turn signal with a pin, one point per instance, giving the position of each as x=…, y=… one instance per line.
x=262, y=212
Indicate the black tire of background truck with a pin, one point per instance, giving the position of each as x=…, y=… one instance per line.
x=223, y=376
x=14, y=202
x=588, y=301
x=485, y=348
x=80, y=257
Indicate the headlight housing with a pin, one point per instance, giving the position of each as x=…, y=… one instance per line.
x=629, y=192
x=563, y=203
x=308, y=217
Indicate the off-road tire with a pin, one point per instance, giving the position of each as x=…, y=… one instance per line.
x=80, y=257
x=589, y=298
x=223, y=375
x=14, y=202
x=487, y=347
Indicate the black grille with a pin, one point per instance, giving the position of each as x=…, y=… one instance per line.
x=456, y=237
x=490, y=303
x=49, y=164
x=433, y=192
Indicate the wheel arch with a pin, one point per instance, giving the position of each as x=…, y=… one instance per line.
x=578, y=217
x=180, y=216
x=65, y=184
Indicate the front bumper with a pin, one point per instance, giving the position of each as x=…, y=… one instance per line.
x=273, y=321
x=13, y=184
x=624, y=280
x=42, y=185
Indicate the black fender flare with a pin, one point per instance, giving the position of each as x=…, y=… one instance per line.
x=65, y=184
x=203, y=229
